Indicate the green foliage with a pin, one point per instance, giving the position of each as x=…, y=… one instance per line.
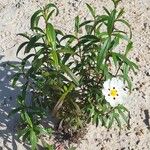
x=64, y=74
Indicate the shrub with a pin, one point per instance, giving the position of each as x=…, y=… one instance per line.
x=78, y=78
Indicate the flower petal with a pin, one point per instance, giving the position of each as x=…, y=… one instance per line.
x=105, y=92
x=106, y=84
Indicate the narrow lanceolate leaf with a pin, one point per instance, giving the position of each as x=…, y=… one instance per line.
x=24, y=35
x=126, y=77
x=132, y=65
x=35, y=18
x=116, y=2
x=28, y=119
x=111, y=120
x=129, y=47
x=51, y=35
x=51, y=38
x=102, y=52
x=123, y=115
x=32, y=43
x=33, y=139
x=121, y=12
x=37, y=29
x=116, y=116
x=35, y=66
x=21, y=47
x=69, y=36
x=23, y=63
x=106, y=10
x=68, y=71
x=50, y=14
x=55, y=58
x=76, y=24
x=49, y=6
x=114, y=59
x=111, y=20
x=85, y=23
x=92, y=11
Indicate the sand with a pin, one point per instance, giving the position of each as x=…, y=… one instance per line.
x=14, y=18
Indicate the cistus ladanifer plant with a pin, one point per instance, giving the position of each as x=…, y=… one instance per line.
x=78, y=78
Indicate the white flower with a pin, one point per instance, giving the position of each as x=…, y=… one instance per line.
x=114, y=91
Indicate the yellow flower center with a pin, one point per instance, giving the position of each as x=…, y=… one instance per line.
x=113, y=92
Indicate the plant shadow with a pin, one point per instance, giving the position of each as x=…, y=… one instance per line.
x=8, y=139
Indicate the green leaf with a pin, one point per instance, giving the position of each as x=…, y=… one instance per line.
x=127, y=61
x=104, y=121
x=68, y=71
x=107, y=11
x=105, y=71
x=102, y=52
x=66, y=50
x=43, y=130
x=20, y=100
x=116, y=2
x=51, y=35
x=111, y=120
x=50, y=5
x=32, y=43
x=69, y=36
x=50, y=14
x=121, y=12
x=55, y=58
x=24, y=35
x=38, y=29
x=28, y=119
x=114, y=43
x=24, y=90
x=35, y=66
x=33, y=139
x=125, y=117
x=20, y=47
x=85, y=23
x=128, y=80
x=35, y=18
x=123, y=108
x=92, y=11
x=116, y=115
x=77, y=25
x=25, y=60
x=129, y=47
x=111, y=20
x=114, y=57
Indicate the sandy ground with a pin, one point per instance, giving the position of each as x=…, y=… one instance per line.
x=14, y=18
